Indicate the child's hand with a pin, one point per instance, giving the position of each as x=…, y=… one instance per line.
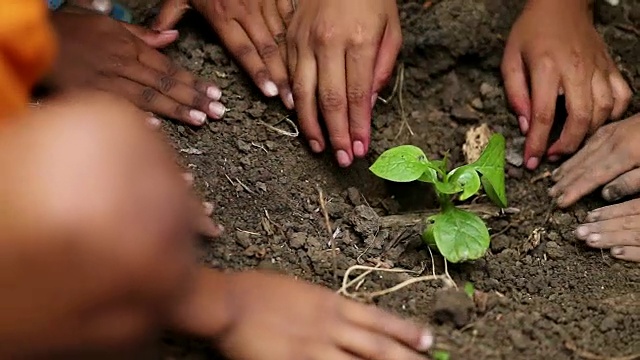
x=277, y=318
x=554, y=49
x=101, y=53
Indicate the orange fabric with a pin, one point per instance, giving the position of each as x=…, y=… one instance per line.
x=27, y=49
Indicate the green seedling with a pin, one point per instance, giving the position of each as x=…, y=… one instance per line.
x=469, y=289
x=441, y=355
x=459, y=235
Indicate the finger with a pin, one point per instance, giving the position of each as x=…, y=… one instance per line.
x=266, y=46
x=276, y=27
x=286, y=10
x=150, y=99
x=544, y=85
x=621, y=93
x=387, y=54
x=382, y=322
x=170, y=13
x=579, y=102
x=624, y=185
x=207, y=208
x=153, y=121
x=205, y=225
x=173, y=89
x=579, y=160
x=627, y=208
x=332, y=98
x=360, y=64
x=628, y=253
x=372, y=345
x=292, y=54
x=153, y=38
x=622, y=223
x=602, y=100
x=602, y=169
x=162, y=63
x=304, y=91
x=516, y=86
x=244, y=51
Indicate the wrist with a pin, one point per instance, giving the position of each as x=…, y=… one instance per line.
x=206, y=311
x=585, y=6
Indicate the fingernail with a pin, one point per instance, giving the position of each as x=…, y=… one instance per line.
x=617, y=251
x=560, y=200
x=217, y=109
x=270, y=89
x=208, y=208
x=554, y=158
x=358, y=148
x=593, y=239
x=533, y=163
x=102, y=6
x=426, y=341
x=198, y=116
x=582, y=232
x=289, y=101
x=552, y=192
x=315, y=146
x=592, y=216
x=374, y=98
x=611, y=193
x=188, y=177
x=214, y=93
x=220, y=228
x=555, y=174
x=524, y=124
x=343, y=158
x=154, y=122
x=169, y=33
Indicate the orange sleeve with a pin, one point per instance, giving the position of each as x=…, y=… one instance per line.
x=27, y=49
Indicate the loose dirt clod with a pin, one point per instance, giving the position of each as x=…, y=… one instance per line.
x=476, y=139
x=453, y=306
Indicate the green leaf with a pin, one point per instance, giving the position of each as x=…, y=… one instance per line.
x=448, y=187
x=468, y=179
x=441, y=355
x=491, y=165
x=469, y=289
x=459, y=235
x=403, y=163
x=429, y=176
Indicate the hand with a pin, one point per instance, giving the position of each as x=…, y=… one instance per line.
x=343, y=51
x=555, y=49
x=99, y=52
x=610, y=158
x=101, y=228
x=252, y=30
x=274, y=318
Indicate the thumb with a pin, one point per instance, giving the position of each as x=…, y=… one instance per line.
x=516, y=86
x=155, y=39
x=170, y=13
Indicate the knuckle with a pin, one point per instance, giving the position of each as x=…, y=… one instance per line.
x=166, y=83
x=268, y=51
x=148, y=95
x=332, y=100
x=200, y=101
x=243, y=51
x=357, y=95
x=325, y=35
x=171, y=68
x=543, y=116
x=261, y=75
x=180, y=111
x=545, y=62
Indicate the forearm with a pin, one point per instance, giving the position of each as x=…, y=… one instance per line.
x=585, y=6
x=207, y=310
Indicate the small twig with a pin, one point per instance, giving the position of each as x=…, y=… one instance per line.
x=504, y=230
x=294, y=133
x=544, y=175
x=245, y=187
x=410, y=219
x=260, y=147
x=396, y=84
x=332, y=239
x=248, y=232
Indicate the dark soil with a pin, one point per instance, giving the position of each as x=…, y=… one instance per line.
x=542, y=297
